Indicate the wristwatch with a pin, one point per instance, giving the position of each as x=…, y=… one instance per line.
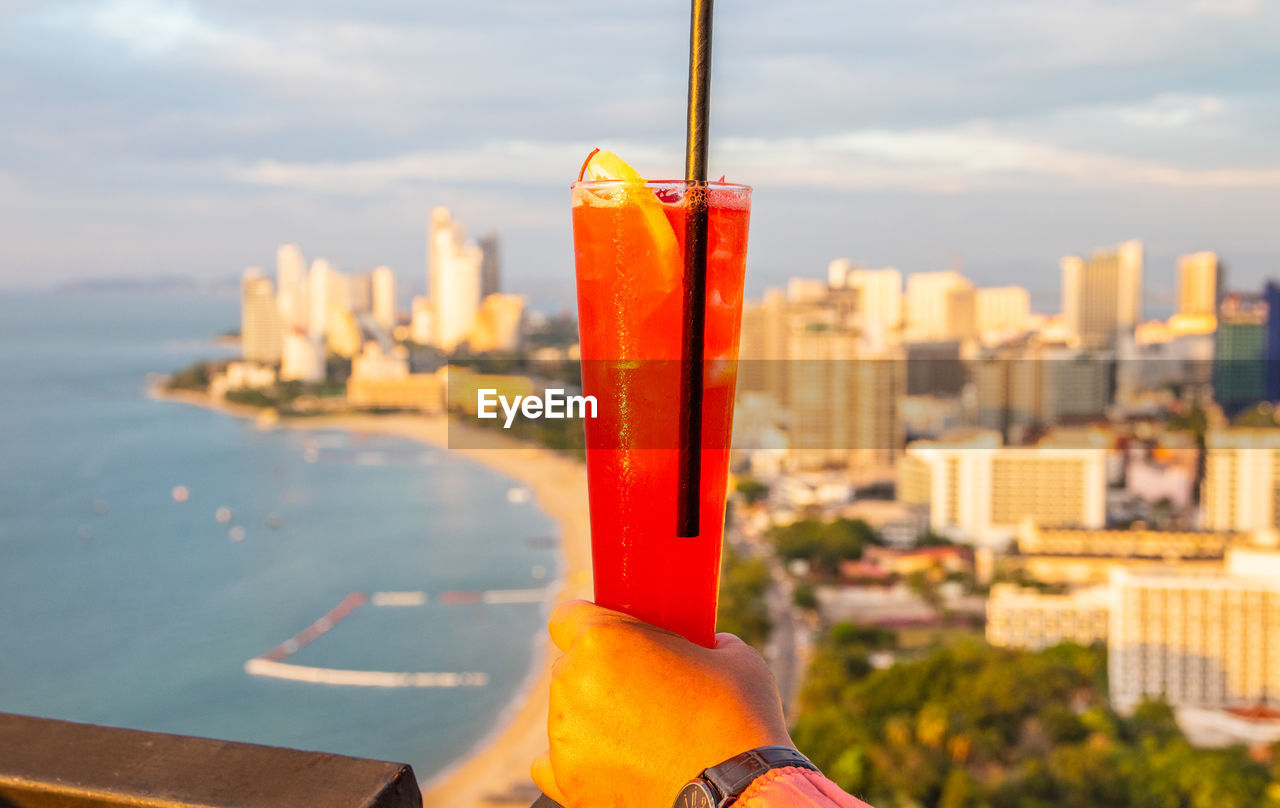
x=719, y=786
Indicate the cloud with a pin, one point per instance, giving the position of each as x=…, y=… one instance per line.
x=1172, y=111
x=311, y=58
x=939, y=160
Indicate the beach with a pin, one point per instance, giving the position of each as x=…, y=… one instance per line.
x=496, y=771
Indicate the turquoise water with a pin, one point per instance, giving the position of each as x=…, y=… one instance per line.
x=122, y=606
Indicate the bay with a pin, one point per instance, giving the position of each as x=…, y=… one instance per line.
x=121, y=605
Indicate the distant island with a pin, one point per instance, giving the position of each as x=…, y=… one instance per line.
x=164, y=284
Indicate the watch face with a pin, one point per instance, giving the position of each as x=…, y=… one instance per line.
x=696, y=795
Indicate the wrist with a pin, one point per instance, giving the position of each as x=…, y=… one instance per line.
x=721, y=785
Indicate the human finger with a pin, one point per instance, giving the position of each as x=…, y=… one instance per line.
x=545, y=779
x=573, y=618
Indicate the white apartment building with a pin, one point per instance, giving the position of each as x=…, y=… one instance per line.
x=1002, y=311
x=260, y=326
x=1020, y=617
x=1198, y=640
x=936, y=306
x=1241, y=488
x=453, y=276
x=384, y=297
x=291, y=286
x=1102, y=295
x=981, y=491
x=1199, y=284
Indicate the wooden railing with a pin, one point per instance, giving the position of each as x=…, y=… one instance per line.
x=59, y=764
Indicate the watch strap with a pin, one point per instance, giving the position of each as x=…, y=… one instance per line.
x=733, y=776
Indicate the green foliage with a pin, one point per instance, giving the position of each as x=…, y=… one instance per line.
x=1260, y=416
x=970, y=726
x=751, y=490
x=1194, y=420
x=744, y=581
x=931, y=539
x=823, y=544
x=805, y=596
x=195, y=377
x=250, y=398
x=843, y=655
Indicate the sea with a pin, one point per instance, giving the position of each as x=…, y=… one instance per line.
x=149, y=548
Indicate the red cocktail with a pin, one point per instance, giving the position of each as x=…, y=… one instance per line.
x=629, y=247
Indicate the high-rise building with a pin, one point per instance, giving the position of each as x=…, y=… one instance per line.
x=980, y=490
x=260, y=325
x=939, y=306
x=360, y=289
x=497, y=326
x=1102, y=296
x=490, y=265
x=1019, y=617
x=879, y=296
x=1271, y=374
x=303, y=359
x=454, y=280
x=1241, y=489
x=1210, y=641
x=1001, y=312
x=318, y=293
x=763, y=346
x=1240, y=352
x=843, y=400
x=422, y=325
x=291, y=286
x=1199, y=284
x=384, y=297
x=838, y=272
x=1020, y=388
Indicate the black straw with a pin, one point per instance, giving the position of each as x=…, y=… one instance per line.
x=689, y=484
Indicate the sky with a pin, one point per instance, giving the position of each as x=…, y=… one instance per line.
x=160, y=137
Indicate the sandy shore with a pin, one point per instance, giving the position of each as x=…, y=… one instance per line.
x=496, y=772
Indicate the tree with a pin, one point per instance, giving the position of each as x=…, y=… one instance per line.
x=752, y=490
x=742, y=610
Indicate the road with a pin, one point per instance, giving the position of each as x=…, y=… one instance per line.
x=790, y=633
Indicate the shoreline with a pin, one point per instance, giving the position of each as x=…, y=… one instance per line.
x=495, y=770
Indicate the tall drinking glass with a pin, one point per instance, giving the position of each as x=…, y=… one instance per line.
x=629, y=254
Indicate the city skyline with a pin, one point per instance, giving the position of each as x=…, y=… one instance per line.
x=151, y=130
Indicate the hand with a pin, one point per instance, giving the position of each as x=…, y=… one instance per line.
x=637, y=711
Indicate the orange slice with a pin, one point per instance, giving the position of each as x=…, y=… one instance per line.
x=634, y=198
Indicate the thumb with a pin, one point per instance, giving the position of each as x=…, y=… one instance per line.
x=726, y=640
x=545, y=779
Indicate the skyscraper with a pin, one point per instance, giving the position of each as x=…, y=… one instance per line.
x=843, y=399
x=1241, y=486
x=291, y=285
x=1102, y=296
x=1240, y=352
x=261, y=329
x=1197, y=640
x=453, y=268
x=939, y=305
x=318, y=294
x=490, y=265
x=384, y=297
x=1271, y=351
x=1002, y=311
x=981, y=490
x=1199, y=283
x=879, y=295
x=497, y=326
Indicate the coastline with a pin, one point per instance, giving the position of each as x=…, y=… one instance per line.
x=495, y=772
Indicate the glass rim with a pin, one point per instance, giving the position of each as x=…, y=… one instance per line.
x=661, y=183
